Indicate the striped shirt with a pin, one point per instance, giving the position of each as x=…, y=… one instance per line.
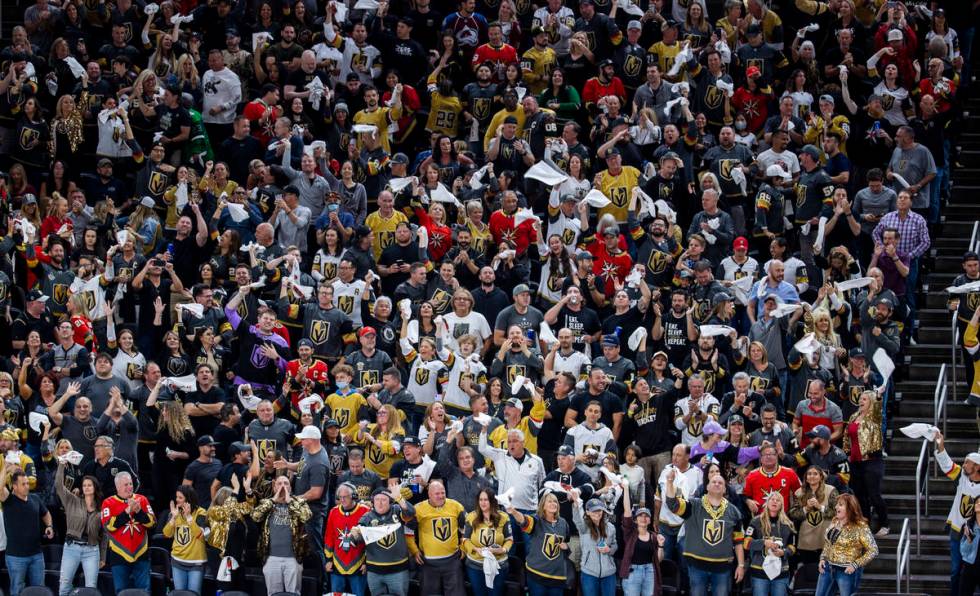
x=912, y=229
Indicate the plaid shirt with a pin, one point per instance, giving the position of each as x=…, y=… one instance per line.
x=913, y=232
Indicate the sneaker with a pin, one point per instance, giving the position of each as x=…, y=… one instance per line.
x=882, y=532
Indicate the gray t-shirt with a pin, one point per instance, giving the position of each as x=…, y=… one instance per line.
x=313, y=471
x=97, y=390
x=867, y=202
x=532, y=319
x=913, y=165
x=280, y=532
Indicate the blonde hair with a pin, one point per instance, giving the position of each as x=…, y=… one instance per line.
x=544, y=501
x=781, y=519
x=175, y=421
x=194, y=77
x=394, y=426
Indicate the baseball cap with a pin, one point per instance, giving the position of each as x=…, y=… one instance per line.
x=605, y=63
x=205, y=441
x=720, y=297
x=36, y=296
x=735, y=419
x=520, y=289
x=612, y=151
x=777, y=171
x=399, y=158
x=610, y=340
x=105, y=161
x=306, y=343
x=856, y=353
x=515, y=403
x=819, y=432
x=238, y=447
x=886, y=301
x=668, y=24
x=895, y=35
x=231, y=32
x=411, y=441
x=811, y=150
x=29, y=199
x=510, y=120
x=367, y=330
x=584, y=255
x=752, y=71
x=712, y=428
x=611, y=231
x=148, y=202
x=536, y=31
x=595, y=505
x=754, y=29
x=661, y=354
x=641, y=511
x=331, y=422
x=569, y=199
x=566, y=450
x=634, y=24
x=828, y=98
x=740, y=242
x=970, y=256
x=973, y=457
x=309, y=432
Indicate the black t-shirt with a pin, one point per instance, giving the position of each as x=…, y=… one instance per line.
x=240, y=470
x=202, y=474
x=552, y=433
x=25, y=323
x=611, y=404
x=584, y=322
x=173, y=119
x=224, y=437
x=187, y=257
x=24, y=526
x=148, y=293
x=205, y=425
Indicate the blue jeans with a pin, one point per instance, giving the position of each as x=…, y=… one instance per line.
x=834, y=577
x=599, y=586
x=640, y=581
x=187, y=577
x=955, y=563
x=25, y=569
x=395, y=584
x=72, y=556
x=703, y=580
x=770, y=587
x=478, y=582
x=314, y=533
x=535, y=588
x=132, y=575
x=357, y=582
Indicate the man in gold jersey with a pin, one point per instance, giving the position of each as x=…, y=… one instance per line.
x=380, y=117
x=538, y=62
x=436, y=544
x=665, y=51
x=617, y=183
x=384, y=221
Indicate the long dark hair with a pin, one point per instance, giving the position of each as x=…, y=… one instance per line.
x=494, y=509
x=190, y=495
x=560, y=262
x=96, y=492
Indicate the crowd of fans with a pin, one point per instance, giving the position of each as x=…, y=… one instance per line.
x=591, y=295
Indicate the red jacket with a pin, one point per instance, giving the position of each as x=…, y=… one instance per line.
x=128, y=535
x=338, y=544
x=502, y=228
x=595, y=90
x=609, y=267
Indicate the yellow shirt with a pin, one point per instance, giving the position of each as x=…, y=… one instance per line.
x=618, y=189
x=345, y=410
x=663, y=56
x=384, y=229
x=498, y=119
x=480, y=535
x=440, y=529
x=481, y=239
x=380, y=118
x=537, y=66
x=530, y=425
x=379, y=458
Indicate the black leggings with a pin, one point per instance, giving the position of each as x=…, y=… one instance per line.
x=866, y=477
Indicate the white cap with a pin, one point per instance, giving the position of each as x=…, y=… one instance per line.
x=777, y=171
x=895, y=35
x=148, y=202
x=973, y=457
x=309, y=432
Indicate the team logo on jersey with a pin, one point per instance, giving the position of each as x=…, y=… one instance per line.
x=966, y=506
x=632, y=66
x=713, y=97
x=90, y=433
x=555, y=282
x=375, y=455
x=657, y=263
x=440, y=300
x=3, y=292
x=515, y=370
x=319, y=331
x=442, y=528
x=590, y=37
x=887, y=101
x=88, y=299
x=814, y=517
x=421, y=375
x=266, y=446
x=507, y=150
x=800, y=194
x=359, y=59
x=60, y=293
x=29, y=138
x=182, y=535
x=385, y=239
x=346, y=304
x=133, y=370
x=725, y=167
x=157, y=183
x=10, y=416
x=368, y=377
x=463, y=377
x=758, y=384
x=460, y=329
x=342, y=416
x=972, y=300
x=258, y=358
x=551, y=546
x=481, y=107
x=712, y=531
x=618, y=196
x=695, y=425
x=242, y=310
x=388, y=541
x=487, y=537
x=568, y=236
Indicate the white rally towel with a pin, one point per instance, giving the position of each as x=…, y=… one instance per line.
x=920, y=430
x=647, y=204
x=340, y=11
x=490, y=567
x=405, y=308
x=72, y=457
x=504, y=498
x=664, y=209
x=258, y=284
x=741, y=288
x=966, y=288
x=76, y=69
x=441, y=194
x=515, y=387
x=249, y=401
x=425, y=468
x=121, y=237
x=397, y=184
x=13, y=458
x=680, y=60
x=636, y=337
x=545, y=174
x=884, y=365
x=194, y=307
x=853, y=284
x=151, y=8
x=783, y=310
x=475, y=179
x=311, y=404
x=35, y=419
x=713, y=330
x=902, y=181
x=547, y=335
x=180, y=19
x=739, y=177
x=612, y=476
x=596, y=199
x=523, y=215
x=555, y=487
x=482, y=419
x=185, y=383
x=259, y=249
x=634, y=278
x=316, y=89
x=729, y=90
x=366, y=5
x=808, y=345
x=227, y=565
x=773, y=566
x=372, y=534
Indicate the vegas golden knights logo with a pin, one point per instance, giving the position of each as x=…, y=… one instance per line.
x=440, y=300
x=972, y=300
x=375, y=455
x=568, y=237
x=814, y=517
x=330, y=270
x=182, y=535
x=713, y=531
x=631, y=66
x=695, y=425
x=712, y=97
x=555, y=282
x=590, y=36
x=385, y=239
x=60, y=294
x=551, y=547
x=887, y=101
x=966, y=506
x=88, y=299
x=369, y=377
x=800, y=194
x=158, y=183
x=3, y=292
x=29, y=138
x=242, y=310
x=359, y=59
x=657, y=262
x=725, y=168
x=507, y=150
x=464, y=377
x=343, y=417
x=481, y=107
x=618, y=196
x=133, y=370
x=319, y=331
x=442, y=528
x=388, y=541
x=855, y=395
x=346, y=304
x=10, y=417
x=266, y=446
x=486, y=537
x=421, y=375
x=515, y=370
x=758, y=384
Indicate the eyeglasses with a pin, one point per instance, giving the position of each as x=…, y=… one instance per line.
x=101, y=445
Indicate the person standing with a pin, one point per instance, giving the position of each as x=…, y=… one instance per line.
x=127, y=518
x=598, y=540
x=344, y=556
x=487, y=529
x=83, y=536
x=770, y=533
x=440, y=529
x=547, y=550
x=387, y=558
x=26, y=520
x=847, y=549
x=188, y=526
x=312, y=471
x=282, y=540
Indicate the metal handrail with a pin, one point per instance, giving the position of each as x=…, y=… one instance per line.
x=903, y=556
x=955, y=333
x=939, y=398
x=921, y=484
x=973, y=236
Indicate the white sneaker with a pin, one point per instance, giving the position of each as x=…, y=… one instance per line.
x=882, y=532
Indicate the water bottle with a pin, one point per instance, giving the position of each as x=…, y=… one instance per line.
x=170, y=249
x=530, y=334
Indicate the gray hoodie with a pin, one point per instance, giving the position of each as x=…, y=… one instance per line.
x=594, y=563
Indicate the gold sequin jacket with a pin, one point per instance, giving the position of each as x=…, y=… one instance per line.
x=854, y=545
x=70, y=126
x=869, y=432
x=220, y=518
x=299, y=514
